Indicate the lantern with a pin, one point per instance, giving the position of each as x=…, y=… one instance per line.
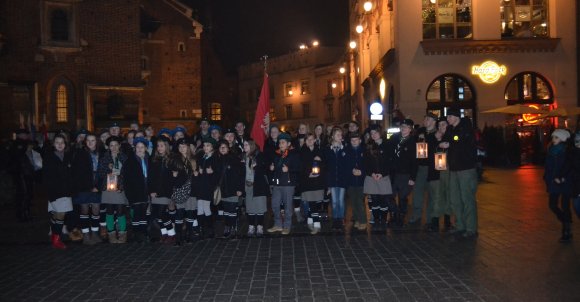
x=422, y=150
x=112, y=182
x=315, y=169
x=440, y=161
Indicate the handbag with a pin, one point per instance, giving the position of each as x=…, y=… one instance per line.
x=217, y=193
x=181, y=194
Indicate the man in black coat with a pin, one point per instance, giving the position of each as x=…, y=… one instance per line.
x=462, y=159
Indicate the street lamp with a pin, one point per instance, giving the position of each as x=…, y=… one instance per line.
x=315, y=43
x=368, y=6
x=359, y=28
x=333, y=85
x=342, y=70
x=302, y=46
x=352, y=44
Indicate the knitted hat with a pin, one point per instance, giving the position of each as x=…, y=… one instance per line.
x=562, y=134
x=284, y=136
x=454, y=112
x=141, y=140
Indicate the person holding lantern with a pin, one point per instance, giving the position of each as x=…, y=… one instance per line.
x=462, y=162
x=135, y=172
x=312, y=182
x=160, y=189
x=404, y=167
x=285, y=169
x=112, y=197
x=377, y=182
x=85, y=182
x=421, y=182
x=336, y=175
x=57, y=178
x=256, y=188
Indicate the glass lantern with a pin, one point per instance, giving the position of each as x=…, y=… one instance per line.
x=422, y=148
x=112, y=182
x=315, y=168
x=440, y=161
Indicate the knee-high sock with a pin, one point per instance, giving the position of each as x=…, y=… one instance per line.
x=110, y=220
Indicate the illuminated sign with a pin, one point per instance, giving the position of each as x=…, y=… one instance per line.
x=376, y=111
x=531, y=118
x=489, y=72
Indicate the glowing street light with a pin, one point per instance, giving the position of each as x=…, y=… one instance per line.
x=359, y=28
x=333, y=85
x=368, y=6
x=352, y=44
x=315, y=43
x=302, y=46
x=342, y=70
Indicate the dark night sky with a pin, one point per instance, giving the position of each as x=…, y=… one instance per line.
x=244, y=30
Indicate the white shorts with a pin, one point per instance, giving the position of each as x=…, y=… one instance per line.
x=61, y=205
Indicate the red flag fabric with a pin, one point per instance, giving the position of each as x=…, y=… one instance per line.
x=262, y=117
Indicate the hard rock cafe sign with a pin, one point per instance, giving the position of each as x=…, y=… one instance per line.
x=489, y=71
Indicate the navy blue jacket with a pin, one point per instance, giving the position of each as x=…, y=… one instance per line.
x=335, y=167
x=355, y=159
x=557, y=166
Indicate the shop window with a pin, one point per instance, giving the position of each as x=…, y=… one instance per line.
x=529, y=88
x=451, y=90
x=304, y=87
x=447, y=19
x=215, y=111
x=524, y=18
x=288, y=89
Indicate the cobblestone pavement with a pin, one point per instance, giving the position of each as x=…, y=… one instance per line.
x=515, y=258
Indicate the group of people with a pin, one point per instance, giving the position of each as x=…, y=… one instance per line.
x=175, y=187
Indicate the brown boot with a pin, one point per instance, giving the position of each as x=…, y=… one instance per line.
x=122, y=237
x=76, y=235
x=113, y=237
x=103, y=232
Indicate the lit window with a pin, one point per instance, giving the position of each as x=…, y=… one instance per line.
x=447, y=19
x=215, y=111
x=288, y=89
x=524, y=18
x=529, y=88
x=450, y=91
x=304, y=87
x=61, y=104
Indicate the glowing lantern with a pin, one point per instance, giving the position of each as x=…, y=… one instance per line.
x=112, y=182
x=422, y=150
x=440, y=161
x=315, y=169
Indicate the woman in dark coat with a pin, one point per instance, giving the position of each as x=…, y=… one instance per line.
x=558, y=180
x=57, y=178
x=377, y=182
x=231, y=171
x=312, y=181
x=207, y=181
x=135, y=172
x=256, y=187
x=160, y=190
x=87, y=196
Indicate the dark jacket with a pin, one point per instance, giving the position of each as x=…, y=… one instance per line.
x=292, y=160
x=260, y=184
x=575, y=168
x=106, y=165
x=557, y=166
x=355, y=160
x=84, y=178
x=403, y=155
x=231, y=169
x=462, y=154
x=376, y=159
x=206, y=183
x=335, y=167
x=160, y=177
x=57, y=175
x=308, y=183
x=270, y=147
x=134, y=181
